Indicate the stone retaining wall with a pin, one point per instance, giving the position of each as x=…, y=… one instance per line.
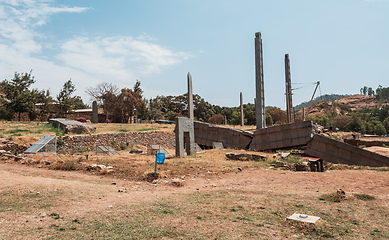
x=89, y=142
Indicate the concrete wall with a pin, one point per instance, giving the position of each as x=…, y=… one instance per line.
x=283, y=136
x=206, y=134
x=331, y=150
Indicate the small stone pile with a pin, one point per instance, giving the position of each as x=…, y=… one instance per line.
x=7, y=156
x=12, y=146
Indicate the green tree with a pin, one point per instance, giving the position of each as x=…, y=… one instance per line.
x=21, y=98
x=216, y=119
x=386, y=124
x=277, y=115
x=128, y=104
x=379, y=129
x=137, y=88
x=66, y=100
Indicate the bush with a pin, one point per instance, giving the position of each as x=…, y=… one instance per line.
x=6, y=113
x=379, y=129
x=216, y=119
x=363, y=196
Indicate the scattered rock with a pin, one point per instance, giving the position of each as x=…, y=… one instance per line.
x=244, y=156
x=177, y=183
x=136, y=151
x=283, y=154
x=341, y=193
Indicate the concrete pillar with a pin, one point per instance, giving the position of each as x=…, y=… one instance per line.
x=288, y=91
x=241, y=110
x=260, y=91
x=94, y=112
x=190, y=98
x=185, y=137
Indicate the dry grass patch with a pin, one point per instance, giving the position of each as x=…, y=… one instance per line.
x=232, y=214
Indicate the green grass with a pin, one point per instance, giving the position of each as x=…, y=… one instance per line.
x=144, y=129
x=332, y=197
x=364, y=196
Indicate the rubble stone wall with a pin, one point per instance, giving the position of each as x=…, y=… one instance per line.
x=89, y=142
x=11, y=146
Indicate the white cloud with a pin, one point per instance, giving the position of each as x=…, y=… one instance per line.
x=118, y=57
x=88, y=61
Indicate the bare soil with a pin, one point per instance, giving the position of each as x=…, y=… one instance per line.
x=84, y=194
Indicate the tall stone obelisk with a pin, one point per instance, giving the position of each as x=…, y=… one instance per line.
x=95, y=116
x=288, y=91
x=190, y=97
x=259, y=84
x=241, y=110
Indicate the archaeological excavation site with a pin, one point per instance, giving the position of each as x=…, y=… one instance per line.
x=91, y=175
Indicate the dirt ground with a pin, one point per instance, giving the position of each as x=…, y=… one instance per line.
x=90, y=193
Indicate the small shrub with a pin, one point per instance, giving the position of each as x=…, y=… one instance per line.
x=60, y=141
x=69, y=165
x=123, y=147
x=150, y=177
x=332, y=197
x=293, y=159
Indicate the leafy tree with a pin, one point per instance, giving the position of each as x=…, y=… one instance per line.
x=341, y=122
x=386, y=124
x=249, y=113
x=216, y=119
x=235, y=118
x=356, y=125
x=137, y=88
x=46, y=101
x=382, y=93
x=321, y=119
x=278, y=116
x=370, y=91
x=101, y=90
x=128, y=103
x=16, y=90
x=66, y=100
x=364, y=90
x=379, y=129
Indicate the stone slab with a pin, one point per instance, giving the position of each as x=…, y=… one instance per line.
x=206, y=134
x=72, y=126
x=334, y=151
x=282, y=136
x=217, y=145
x=303, y=218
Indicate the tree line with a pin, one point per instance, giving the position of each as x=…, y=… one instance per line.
x=121, y=104
x=18, y=97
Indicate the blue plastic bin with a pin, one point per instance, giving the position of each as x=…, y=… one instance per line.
x=160, y=158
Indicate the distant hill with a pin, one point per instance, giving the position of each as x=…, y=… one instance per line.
x=326, y=98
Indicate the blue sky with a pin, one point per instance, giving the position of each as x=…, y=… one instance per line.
x=343, y=44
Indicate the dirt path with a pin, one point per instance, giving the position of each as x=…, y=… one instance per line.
x=99, y=192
